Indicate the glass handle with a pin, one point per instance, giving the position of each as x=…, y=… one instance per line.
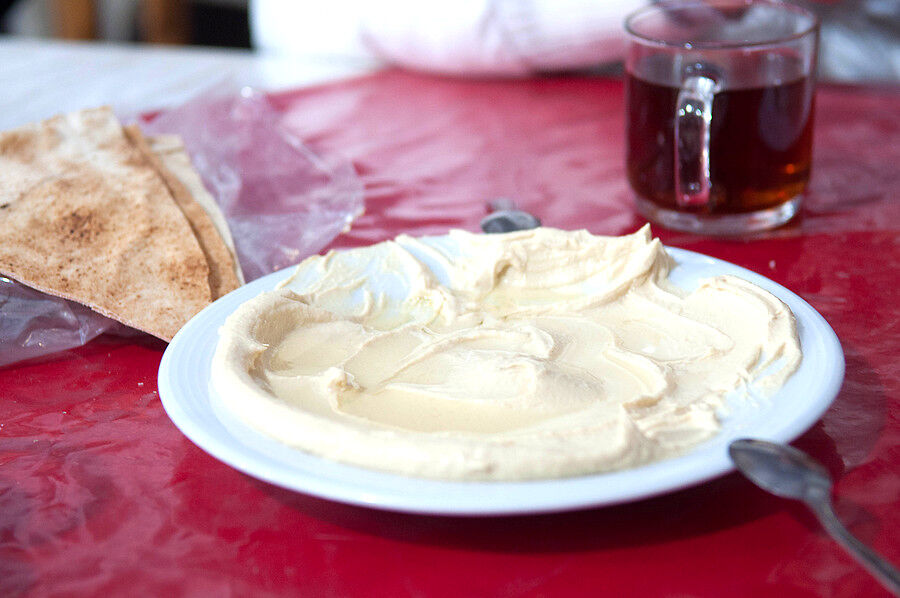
x=692, y=119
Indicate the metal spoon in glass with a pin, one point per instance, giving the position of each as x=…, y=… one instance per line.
x=790, y=473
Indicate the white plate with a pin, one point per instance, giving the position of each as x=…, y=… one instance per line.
x=184, y=389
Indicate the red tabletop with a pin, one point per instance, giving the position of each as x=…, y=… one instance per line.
x=101, y=495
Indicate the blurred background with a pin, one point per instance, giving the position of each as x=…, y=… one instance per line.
x=184, y=22
x=860, y=38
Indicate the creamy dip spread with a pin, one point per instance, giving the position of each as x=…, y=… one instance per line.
x=532, y=354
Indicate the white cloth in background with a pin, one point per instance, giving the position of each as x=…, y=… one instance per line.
x=465, y=37
x=860, y=38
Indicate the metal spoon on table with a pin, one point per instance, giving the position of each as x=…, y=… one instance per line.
x=790, y=473
x=505, y=218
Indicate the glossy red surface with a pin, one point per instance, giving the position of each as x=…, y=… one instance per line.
x=101, y=495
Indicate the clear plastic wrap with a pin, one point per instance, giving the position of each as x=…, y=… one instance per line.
x=282, y=202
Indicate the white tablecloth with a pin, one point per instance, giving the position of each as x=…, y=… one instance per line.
x=40, y=78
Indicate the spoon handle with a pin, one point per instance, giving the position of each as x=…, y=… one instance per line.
x=868, y=558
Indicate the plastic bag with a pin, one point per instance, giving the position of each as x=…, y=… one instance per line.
x=282, y=202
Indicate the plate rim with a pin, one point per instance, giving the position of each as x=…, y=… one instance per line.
x=393, y=492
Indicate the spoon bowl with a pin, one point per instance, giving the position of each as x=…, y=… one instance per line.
x=780, y=469
x=790, y=473
x=509, y=220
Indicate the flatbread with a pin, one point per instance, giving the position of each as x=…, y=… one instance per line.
x=84, y=216
x=170, y=149
x=223, y=274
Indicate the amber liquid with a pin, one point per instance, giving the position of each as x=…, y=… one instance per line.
x=760, y=145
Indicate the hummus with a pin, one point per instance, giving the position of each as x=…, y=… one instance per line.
x=525, y=355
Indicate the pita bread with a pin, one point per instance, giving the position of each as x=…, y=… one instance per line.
x=170, y=149
x=85, y=217
x=223, y=273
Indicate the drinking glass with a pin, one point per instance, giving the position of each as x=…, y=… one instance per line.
x=719, y=112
